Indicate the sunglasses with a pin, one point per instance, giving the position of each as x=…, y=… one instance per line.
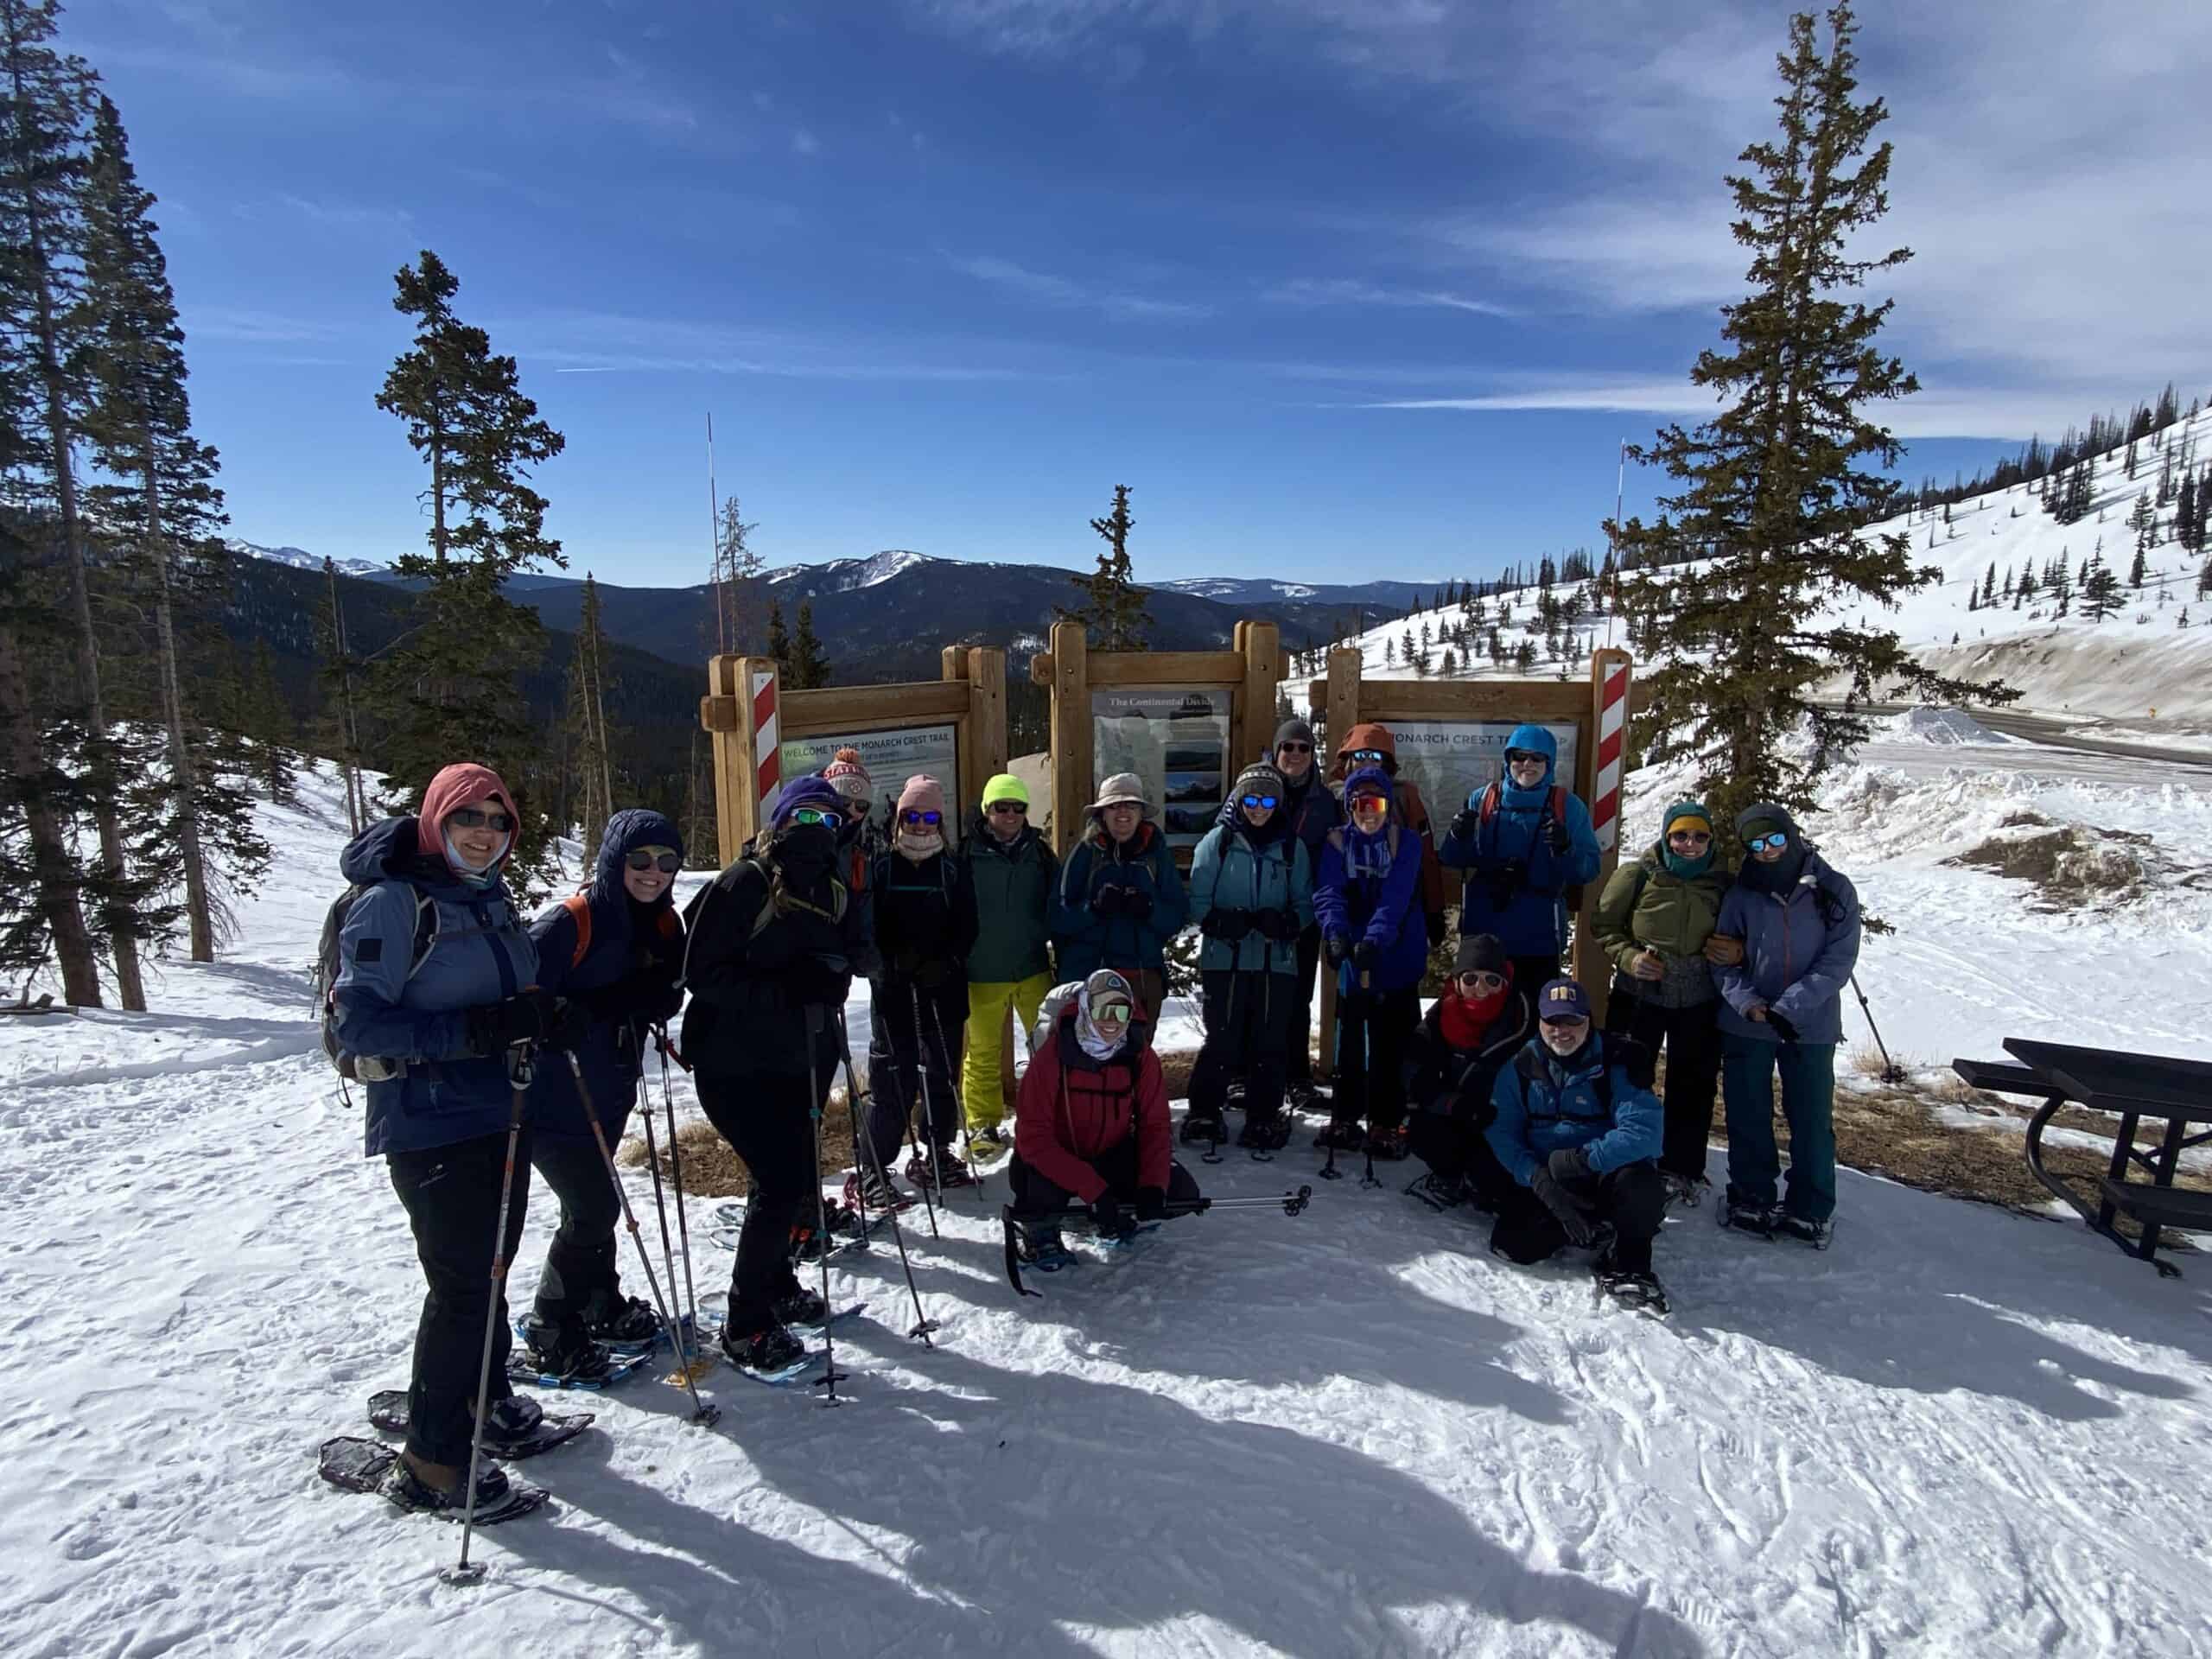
x=1007, y=809
x=1773, y=843
x=932, y=819
x=1484, y=981
x=1257, y=801
x=1295, y=748
x=1698, y=837
x=1524, y=758
x=1373, y=756
x=473, y=817
x=815, y=819
x=666, y=863
x=1110, y=1011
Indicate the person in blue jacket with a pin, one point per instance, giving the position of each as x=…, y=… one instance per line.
x=1375, y=935
x=1578, y=1129
x=1520, y=843
x=1783, y=1011
x=1252, y=897
x=1120, y=898
x=616, y=951
x=436, y=996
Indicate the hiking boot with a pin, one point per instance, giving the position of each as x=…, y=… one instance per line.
x=769, y=1349
x=1344, y=1134
x=1814, y=1233
x=567, y=1351
x=988, y=1142
x=1688, y=1191
x=1439, y=1192
x=620, y=1321
x=799, y=1306
x=1391, y=1143
x=1264, y=1131
x=437, y=1490
x=1202, y=1128
x=874, y=1192
x=939, y=1170
x=509, y=1423
x=1039, y=1246
x=1756, y=1219
x=1632, y=1287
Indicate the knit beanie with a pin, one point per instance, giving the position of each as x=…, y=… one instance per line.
x=805, y=791
x=848, y=776
x=1686, y=815
x=1292, y=731
x=1259, y=779
x=923, y=793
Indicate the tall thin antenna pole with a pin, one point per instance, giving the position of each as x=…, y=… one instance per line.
x=1613, y=541
x=715, y=541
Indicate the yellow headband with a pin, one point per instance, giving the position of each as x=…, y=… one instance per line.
x=1689, y=821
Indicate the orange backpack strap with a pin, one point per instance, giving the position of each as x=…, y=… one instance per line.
x=578, y=905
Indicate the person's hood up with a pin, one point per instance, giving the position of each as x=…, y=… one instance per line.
x=464, y=784
x=1532, y=737
x=1778, y=877
x=1370, y=780
x=628, y=831
x=391, y=849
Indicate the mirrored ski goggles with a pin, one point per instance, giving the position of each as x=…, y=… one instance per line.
x=1110, y=1011
x=1524, y=758
x=1769, y=843
x=1483, y=983
x=646, y=859
x=815, y=819
x=475, y=817
x=1255, y=802
x=1368, y=757
x=932, y=819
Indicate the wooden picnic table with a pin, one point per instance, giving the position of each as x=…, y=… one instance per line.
x=2132, y=1087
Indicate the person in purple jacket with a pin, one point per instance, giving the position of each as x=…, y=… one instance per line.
x=1783, y=1013
x=1367, y=902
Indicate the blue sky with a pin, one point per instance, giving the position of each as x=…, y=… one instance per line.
x=1343, y=288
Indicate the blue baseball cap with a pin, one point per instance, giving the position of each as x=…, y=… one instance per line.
x=1562, y=998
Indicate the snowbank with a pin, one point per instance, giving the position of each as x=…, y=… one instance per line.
x=1942, y=726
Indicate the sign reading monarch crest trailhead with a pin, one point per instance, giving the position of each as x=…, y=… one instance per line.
x=1451, y=759
x=890, y=758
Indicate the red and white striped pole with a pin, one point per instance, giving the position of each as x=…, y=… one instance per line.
x=1612, y=737
x=768, y=754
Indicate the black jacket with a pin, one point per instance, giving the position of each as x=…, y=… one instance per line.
x=1457, y=1082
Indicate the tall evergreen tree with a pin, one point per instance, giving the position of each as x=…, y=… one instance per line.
x=735, y=580
x=2101, y=595
x=336, y=670
x=809, y=663
x=449, y=691
x=1779, y=483
x=1113, y=614
x=780, y=642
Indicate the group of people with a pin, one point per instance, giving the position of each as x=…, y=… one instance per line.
x=1506, y=1089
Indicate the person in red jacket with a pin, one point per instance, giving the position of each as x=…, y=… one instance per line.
x=1092, y=1125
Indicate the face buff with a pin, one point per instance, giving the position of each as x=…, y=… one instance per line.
x=1104, y=988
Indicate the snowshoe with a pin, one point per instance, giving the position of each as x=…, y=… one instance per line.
x=354, y=1464
x=1638, y=1290
x=1688, y=1191
x=1756, y=1219
x=808, y=1243
x=1042, y=1248
x=988, y=1141
x=1264, y=1131
x=587, y=1364
x=866, y=1190
x=1391, y=1143
x=621, y=1321
x=564, y=1351
x=1439, y=1192
x=1342, y=1135
x=940, y=1170
x=518, y=1429
x=799, y=1306
x=1202, y=1128
x=1818, y=1233
x=768, y=1353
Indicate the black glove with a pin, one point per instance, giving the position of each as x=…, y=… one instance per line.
x=662, y=1006
x=810, y=980
x=1152, y=1202
x=1783, y=1025
x=1436, y=928
x=1557, y=839
x=496, y=1027
x=1136, y=903
x=1230, y=926
x=1364, y=955
x=1562, y=1203
x=1112, y=1223
x=1568, y=1164
x=567, y=1024
x=1339, y=948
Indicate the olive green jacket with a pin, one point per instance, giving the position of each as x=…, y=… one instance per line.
x=1645, y=907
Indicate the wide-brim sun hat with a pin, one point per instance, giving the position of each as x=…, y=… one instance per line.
x=1122, y=789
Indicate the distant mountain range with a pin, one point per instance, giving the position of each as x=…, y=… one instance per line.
x=886, y=616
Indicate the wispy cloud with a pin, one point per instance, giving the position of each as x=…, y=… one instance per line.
x=607, y=343
x=1317, y=291
x=334, y=212
x=253, y=327
x=803, y=143
x=1063, y=293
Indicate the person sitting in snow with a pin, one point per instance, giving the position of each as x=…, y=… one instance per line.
x=1577, y=1126
x=1800, y=924
x=1520, y=843
x=1091, y=1123
x=1252, y=896
x=1474, y=1030
x=616, y=950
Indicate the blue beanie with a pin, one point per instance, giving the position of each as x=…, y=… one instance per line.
x=810, y=791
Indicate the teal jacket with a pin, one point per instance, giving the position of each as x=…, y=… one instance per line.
x=1229, y=874
x=1013, y=901
x=1088, y=940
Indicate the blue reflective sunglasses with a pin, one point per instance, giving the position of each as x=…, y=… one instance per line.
x=1773, y=843
x=1257, y=801
x=931, y=818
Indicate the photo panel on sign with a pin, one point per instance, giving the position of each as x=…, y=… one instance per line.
x=890, y=758
x=1449, y=759
x=1175, y=739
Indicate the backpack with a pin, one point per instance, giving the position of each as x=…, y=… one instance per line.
x=327, y=966
x=1554, y=811
x=1631, y=1056
x=778, y=904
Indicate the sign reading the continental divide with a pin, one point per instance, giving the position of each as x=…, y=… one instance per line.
x=891, y=759
x=1449, y=759
x=1176, y=740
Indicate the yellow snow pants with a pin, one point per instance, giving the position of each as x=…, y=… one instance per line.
x=981, y=1087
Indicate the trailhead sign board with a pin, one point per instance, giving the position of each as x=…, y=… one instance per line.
x=1449, y=759
x=891, y=757
x=1175, y=739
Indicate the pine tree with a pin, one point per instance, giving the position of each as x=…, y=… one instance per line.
x=2186, y=530
x=269, y=721
x=810, y=665
x=2100, y=590
x=1113, y=613
x=1777, y=481
x=1989, y=586
x=335, y=670
x=780, y=642
x=450, y=689
x=735, y=578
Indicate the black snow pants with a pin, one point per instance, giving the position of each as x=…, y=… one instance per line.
x=582, y=1265
x=907, y=1066
x=767, y=1117
x=452, y=1198
x=1692, y=1038
x=1633, y=1197
x=1454, y=1147
x=1374, y=1031
x=1033, y=1195
x=1248, y=1018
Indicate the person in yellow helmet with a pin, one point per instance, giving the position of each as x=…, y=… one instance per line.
x=1012, y=872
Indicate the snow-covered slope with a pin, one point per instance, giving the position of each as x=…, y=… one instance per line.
x=300, y=559
x=1355, y=1432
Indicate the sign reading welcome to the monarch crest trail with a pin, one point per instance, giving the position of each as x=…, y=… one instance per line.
x=891, y=759
x=1451, y=759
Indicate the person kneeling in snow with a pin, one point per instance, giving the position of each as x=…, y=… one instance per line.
x=1477, y=1027
x=1578, y=1127
x=1091, y=1122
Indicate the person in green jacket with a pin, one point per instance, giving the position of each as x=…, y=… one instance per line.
x=1656, y=920
x=1012, y=872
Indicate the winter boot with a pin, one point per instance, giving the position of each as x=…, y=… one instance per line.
x=799, y=1306
x=1632, y=1287
x=1264, y=1131
x=1038, y=1245
x=1688, y=1191
x=1344, y=1134
x=874, y=1192
x=1818, y=1233
x=620, y=1321
x=417, y=1496
x=1203, y=1128
x=988, y=1141
x=766, y=1350
x=511, y=1423
x=566, y=1350
x=940, y=1170
x=1439, y=1192
x=1756, y=1219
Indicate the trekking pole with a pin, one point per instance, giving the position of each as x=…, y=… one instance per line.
x=1366, y=1054
x=959, y=1099
x=683, y=1352
x=702, y=1413
x=1212, y=1154
x=829, y=1377
x=676, y=1175
x=906, y=1110
x=922, y=1069
x=1291, y=1204
x=1891, y=1071
x=865, y=1150
x=521, y=1067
